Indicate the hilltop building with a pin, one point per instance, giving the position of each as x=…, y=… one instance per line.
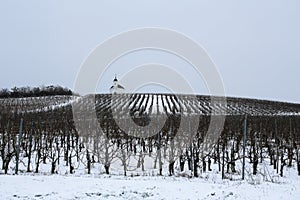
x=116, y=88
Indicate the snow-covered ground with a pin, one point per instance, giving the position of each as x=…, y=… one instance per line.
x=210, y=186
x=147, y=184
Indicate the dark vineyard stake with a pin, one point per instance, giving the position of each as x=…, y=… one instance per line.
x=159, y=151
x=260, y=142
x=30, y=147
x=244, y=147
x=19, y=146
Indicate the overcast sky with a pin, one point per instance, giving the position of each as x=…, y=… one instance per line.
x=254, y=44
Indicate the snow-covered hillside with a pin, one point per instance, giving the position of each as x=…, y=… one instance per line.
x=56, y=158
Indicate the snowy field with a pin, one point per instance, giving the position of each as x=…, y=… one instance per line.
x=267, y=184
x=210, y=186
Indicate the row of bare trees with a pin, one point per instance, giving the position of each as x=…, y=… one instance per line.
x=50, y=137
x=18, y=92
x=31, y=135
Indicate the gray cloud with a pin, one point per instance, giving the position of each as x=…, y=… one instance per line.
x=255, y=44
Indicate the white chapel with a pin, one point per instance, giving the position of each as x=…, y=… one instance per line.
x=116, y=88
